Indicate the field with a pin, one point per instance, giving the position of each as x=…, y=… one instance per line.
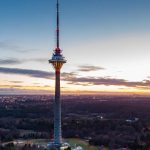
x=79, y=142
x=73, y=142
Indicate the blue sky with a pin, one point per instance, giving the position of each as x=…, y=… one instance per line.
x=110, y=34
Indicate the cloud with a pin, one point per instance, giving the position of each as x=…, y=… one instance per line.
x=9, y=61
x=16, y=81
x=35, y=73
x=15, y=61
x=10, y=46
x=72, y=78
x=39, y=60
x=27, y=72
x=87, y=68
x=66, y=75
x=107, y=82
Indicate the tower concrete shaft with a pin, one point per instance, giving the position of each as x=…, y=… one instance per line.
x=57, y=110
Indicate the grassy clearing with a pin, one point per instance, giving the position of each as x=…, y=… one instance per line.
x=78, y=142
x=73, y=142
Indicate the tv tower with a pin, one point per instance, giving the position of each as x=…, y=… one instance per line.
x=57, y=62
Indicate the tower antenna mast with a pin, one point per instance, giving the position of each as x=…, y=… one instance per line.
x=57, y=30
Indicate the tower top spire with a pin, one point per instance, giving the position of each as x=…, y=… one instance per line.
x=57, y=30
x=57, y=59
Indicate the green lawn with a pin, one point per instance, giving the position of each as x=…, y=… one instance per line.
x=73, y=142
x=78, y=142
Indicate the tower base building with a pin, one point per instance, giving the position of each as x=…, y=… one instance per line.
x=63, y=146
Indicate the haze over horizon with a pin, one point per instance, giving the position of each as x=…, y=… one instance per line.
x=105, y=42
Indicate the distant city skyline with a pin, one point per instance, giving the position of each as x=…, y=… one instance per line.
x=105, y=42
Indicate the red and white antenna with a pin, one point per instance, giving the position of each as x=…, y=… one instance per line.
x=57, y=50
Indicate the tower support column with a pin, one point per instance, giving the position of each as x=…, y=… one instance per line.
x=57, y=110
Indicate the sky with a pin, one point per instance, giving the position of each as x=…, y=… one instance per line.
x=105, y=42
